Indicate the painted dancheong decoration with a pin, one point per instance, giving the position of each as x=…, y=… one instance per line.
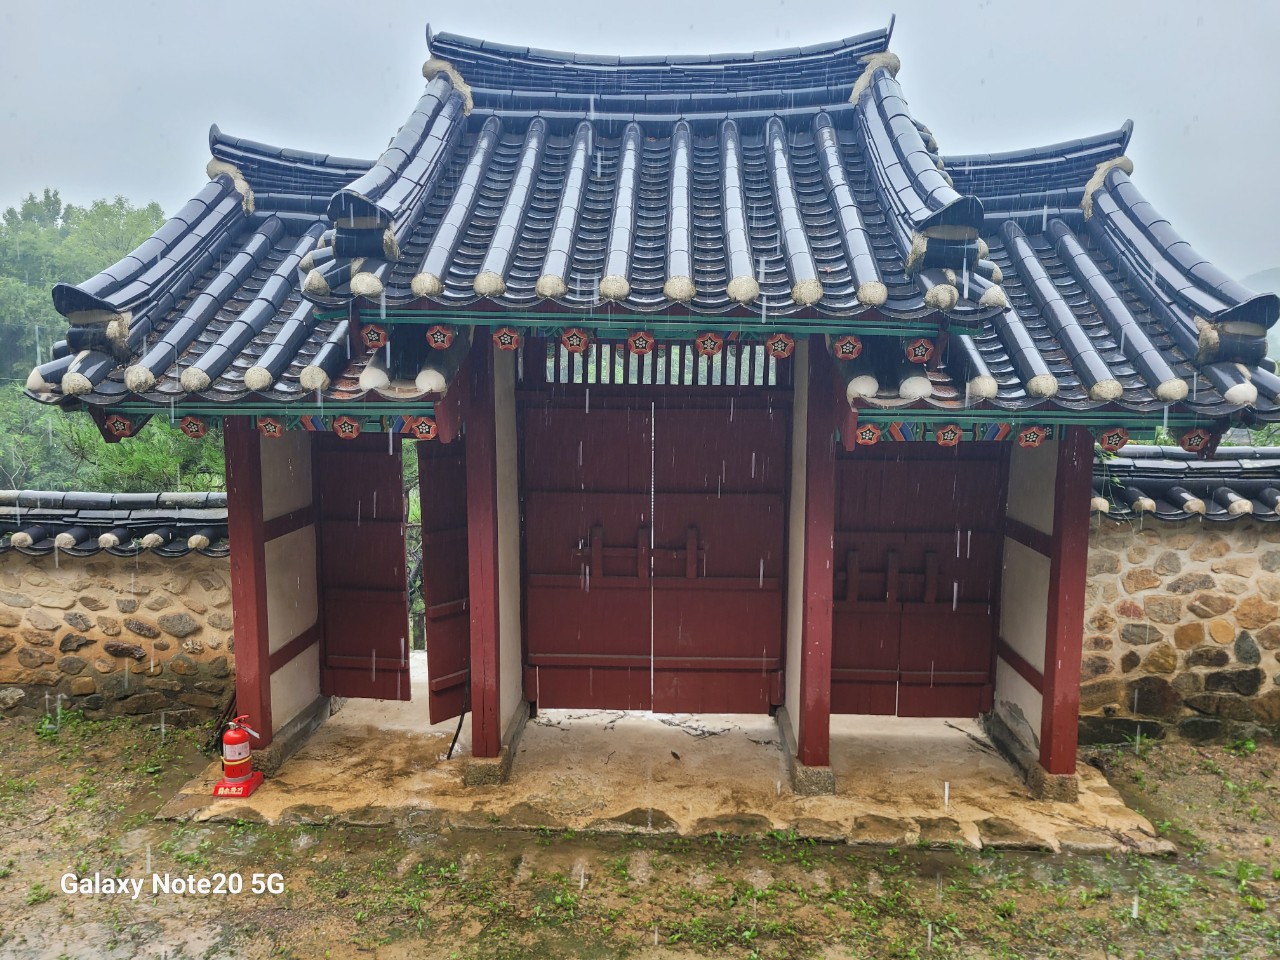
x=660, y=313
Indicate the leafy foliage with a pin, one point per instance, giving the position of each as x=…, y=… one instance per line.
x=44, y=241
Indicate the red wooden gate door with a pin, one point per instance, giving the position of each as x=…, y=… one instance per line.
x=442, y=478
x=361, y=518
x=917, y=548
x=654, y=554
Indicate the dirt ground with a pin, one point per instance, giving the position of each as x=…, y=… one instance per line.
x=80, y=800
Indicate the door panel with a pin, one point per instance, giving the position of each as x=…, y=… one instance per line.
x=442, y=480
x=361, y=512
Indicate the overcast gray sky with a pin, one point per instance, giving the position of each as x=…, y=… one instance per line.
x=100, y=99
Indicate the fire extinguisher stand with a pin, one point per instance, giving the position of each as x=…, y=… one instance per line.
x=239, y=779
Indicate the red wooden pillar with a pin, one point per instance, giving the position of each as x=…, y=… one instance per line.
x=482, y=550
x=1068, y=563
x=248, y=574
x=813, y=745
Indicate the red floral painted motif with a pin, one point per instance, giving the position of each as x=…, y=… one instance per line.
x=348, y=428
x=575, y=340
x=506, y=338
x=374, y=336
x=118, y=425
x=1195, y=440
x=919, y=351
x=1113, y=438
x=781, y=345
x=867, y=434
x=422, y=428
x=948, y=435
x=847, y=347
x=708, y=344
x=270, y=427
x=193, y=427
x=1031, y=437
x=440, y=337
x=641, y=342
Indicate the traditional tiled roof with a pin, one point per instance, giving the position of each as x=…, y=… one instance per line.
x=40, y=522
x=790, y=191
x=1168, y=483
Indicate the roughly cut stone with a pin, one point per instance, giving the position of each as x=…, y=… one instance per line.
x=1103, y=562
x=1101, y=619
x=141, y=628
x=7, y=643
x=9, y=618
x=1093, y=667
x=1140, y=578
x=1236, y=566
x=1221, y=631
x=117, y=649
x=1269, y=637
x=40, y=620
x=1254, y=612
x=10, y=697
x=159, y=602
x=57, y=601
x=83, y=686
x=1234, y=585
x=177, y=584
x=1270, y=561
x=103, y=666
x=32, y=658
x=1129, y=661
x=90, y=602
x=193, y=645
x=211, y=686
x=143, y=703
x=1095, y=696
x=1191, y=582
x=199, y=700
x=1136, y=554
x=219, y=621
x=1221, y=705
x=1187, y=683
x=95, y=701
x=1208, y=657
x=38, y=638
x=210, y=580
x=1127, y=608
x=126, y=604
x=194, y=605
x=871, y=830
x=160, y=683
x=940, y=832
x=1168, y=564
x=109, y=626
x=161, y=645
x=1140, y=634
x=72, y=665
x=1244, y=682
x=1163, y=609
x=1098, y=642
x=1247, y=649
x=77, y=621
x=149, y=669
x=1152, y=697
x=220, y=598
x=1188, y=635
x=178, y=624
x=15, y=599
x=1267, y=708
x=1267, y=584
x=1094, y=730
x=1200, y=728
x=1162, y=659
x=1208, y=605
x=183, y=665
x=217, y=667
x=1209, y=547
x=72, y=642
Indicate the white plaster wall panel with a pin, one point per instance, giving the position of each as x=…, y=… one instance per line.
x=795, y=535
x=1032, y=475
x=286, y=473
x=1024, y=601
x=294, y=686
x=292, y=602
x=1019, y=705
x=510, y=662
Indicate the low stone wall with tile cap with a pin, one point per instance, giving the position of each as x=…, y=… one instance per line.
x=1182, y=630
x=136, y=636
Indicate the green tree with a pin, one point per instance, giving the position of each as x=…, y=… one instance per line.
x=44, y=241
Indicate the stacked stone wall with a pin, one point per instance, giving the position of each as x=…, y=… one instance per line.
x=116, y=636
x=1182, y=630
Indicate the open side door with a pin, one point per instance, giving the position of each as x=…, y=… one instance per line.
x=361, y=516
x=442, y=479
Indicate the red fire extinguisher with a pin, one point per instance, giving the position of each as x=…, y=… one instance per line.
x=239, y=779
